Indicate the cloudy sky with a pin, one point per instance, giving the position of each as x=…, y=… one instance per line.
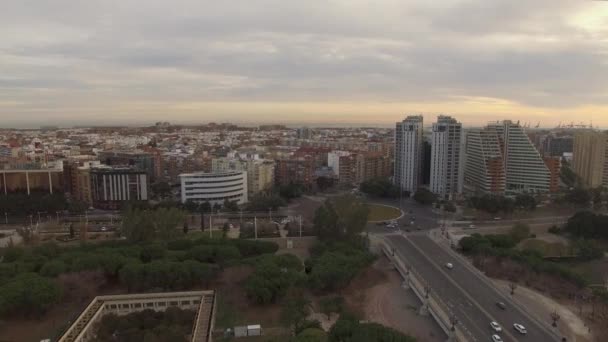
x=69, y=62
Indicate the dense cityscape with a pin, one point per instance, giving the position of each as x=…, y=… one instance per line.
x=303, y=171
x=420, y=192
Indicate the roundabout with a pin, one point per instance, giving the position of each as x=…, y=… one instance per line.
x=382, y=212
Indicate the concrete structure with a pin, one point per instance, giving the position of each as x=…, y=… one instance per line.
x=145, y=161
x=408, y=153
x=26, y=177
x=484, y=171
x=260, y=172
x=524, y=167
x=304, y=133
x=214, y=188
x=112, y=186
x=203, y=302
x=446, y=139
x=590, y=157
x=295, y=170
x=500, y=151
x=344, y=166
x=556, y=146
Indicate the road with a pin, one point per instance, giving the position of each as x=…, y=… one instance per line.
x=471, y=300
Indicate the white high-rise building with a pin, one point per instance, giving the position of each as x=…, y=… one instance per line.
x=502, y=159
x=409, y=153
x=525, y=169
x=446, y=139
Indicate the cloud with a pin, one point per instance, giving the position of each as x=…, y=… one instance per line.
x=85, y=58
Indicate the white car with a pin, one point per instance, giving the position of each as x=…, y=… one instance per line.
x=449, y=265
x=495, y=326
x=496, y=338
x=520, y=328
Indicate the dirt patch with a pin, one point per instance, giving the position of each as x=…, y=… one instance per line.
x=377, y=296
x=78, y=290
x=233, y=306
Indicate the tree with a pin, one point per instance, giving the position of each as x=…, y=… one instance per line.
x=341, y=217
x=161, y=189
x=225, y=229
x=324, y=183
x=449, y=207
x=291, y=191
x=71, y=231
x=331, y=305
x=262, y=202
x=191, y=206
x=161, y=223
x=311, y=335
x=294, y=310
x=579, y=196
x=380, y=187
x=185, y=229
x=424, y=196
x=28, y=294
x=77, y=207
x=230, y=206
x=525, y=201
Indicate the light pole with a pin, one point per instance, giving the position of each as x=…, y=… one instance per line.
x=5, y=217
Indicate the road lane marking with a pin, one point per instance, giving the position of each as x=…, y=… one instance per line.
x=466, y=294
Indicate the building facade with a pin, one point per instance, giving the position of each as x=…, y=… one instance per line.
x=260, y=172
x=446, y=139
x=484, y=168
x=525, y=169
x=409, y=153
x=112, y=186
x=144, y=161
x=295, y=170
x=501, y=159
x=214, y=188
x=590, y=157
x=32, y=176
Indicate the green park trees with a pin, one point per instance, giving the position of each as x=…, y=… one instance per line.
x=380, y=187
x=424, y=196
x=341, y=217
x=28, y=294
x=147, y=225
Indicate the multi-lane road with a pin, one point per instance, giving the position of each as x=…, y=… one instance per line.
x=471, y=299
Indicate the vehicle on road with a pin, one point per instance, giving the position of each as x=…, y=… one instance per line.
x=449, y=265
x=103, y=229
x=496, y=338
x=520, y=328
x=472, y=226
x=495, y=326
x=497, y=218
x=501, y=305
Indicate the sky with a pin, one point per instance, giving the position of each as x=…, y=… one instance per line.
x=338, y=62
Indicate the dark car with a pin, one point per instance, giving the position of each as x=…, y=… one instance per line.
x=501, y=305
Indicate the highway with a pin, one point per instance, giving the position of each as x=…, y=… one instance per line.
x=471, y=300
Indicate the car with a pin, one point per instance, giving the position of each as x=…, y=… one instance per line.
x=472, y=226
x=520, y=328
x=495, y=326
x=497, y=218
x=501, y=305
x=496, y=338
x=103, y=229
x=449, y=265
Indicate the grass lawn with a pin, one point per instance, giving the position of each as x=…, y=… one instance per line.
x=382, y=213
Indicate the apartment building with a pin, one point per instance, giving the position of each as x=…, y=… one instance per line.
x=590, y=157
x=260, y=172
x=446, y=135
x=409, y=153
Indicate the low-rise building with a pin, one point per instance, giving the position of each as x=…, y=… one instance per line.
x=214, y=188
x=112, y=186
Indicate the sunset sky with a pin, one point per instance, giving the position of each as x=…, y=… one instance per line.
x=103, y=62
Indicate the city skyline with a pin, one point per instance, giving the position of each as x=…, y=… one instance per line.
x=338, y=63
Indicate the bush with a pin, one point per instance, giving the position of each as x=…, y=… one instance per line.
x=28, y=294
